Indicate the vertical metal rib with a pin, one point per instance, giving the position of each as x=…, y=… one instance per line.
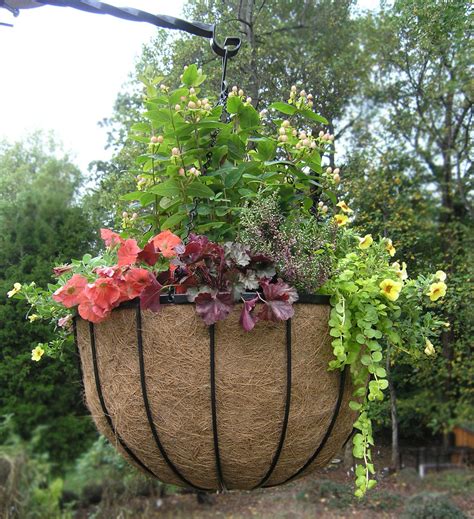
x=212, y=344
x=284, y=428
x=146, y=403
x=337, y=408
x=98, y=386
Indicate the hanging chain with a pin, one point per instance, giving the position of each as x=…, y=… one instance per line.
x=225, y=118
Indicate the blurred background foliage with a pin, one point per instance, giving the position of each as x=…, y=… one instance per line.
x=397, y=89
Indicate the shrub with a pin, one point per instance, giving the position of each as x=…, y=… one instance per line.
x=432, y=506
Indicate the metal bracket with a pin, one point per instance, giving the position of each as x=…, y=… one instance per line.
x=230, y=48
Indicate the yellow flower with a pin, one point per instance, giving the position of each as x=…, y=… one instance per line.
x=401, y=272
x=366, y=241
x=341, y=219
x=389, y=247
x=429, y=349
x=440, y=275
x=37, y=353
x=345, y=208
x=437, y=290
x=33, y=317
x=390, y=289
x=16, y=288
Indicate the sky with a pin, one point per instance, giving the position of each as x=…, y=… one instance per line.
x=61, y=69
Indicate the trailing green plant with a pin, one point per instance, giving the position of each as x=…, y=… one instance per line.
x=261, y=180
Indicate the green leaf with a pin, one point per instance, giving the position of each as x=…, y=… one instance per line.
x=284, y=108
x=248, y=117
x=136, y=195
x=309, y=114
x=377, y=356
x=234, y=104
x=197, y=189
x=172, y=221
x=190, y=76
x=170, y=188
x=233, y=177
x=266, y=149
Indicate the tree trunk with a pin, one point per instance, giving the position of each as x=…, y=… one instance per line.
x=395, y=458
x=247, y=26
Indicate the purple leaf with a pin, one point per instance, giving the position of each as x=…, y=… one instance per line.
x=278, y=310
x=214, y=307
x=148, y=254
x=278, y=291
x=279, y=300
x=150, y=296
x=247, y=318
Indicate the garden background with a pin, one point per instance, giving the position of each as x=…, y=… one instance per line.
x=396, y=87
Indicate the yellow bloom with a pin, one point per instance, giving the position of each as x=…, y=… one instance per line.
x=366, y=241
x=390, y=289
x=437, y=290
x=389, y=247
x=440, y=275
x=345, y=208
x=341, y=219
x=33, y=317
x=401, y=272
x=429, y=349
x=16, y=288
x=37, y=353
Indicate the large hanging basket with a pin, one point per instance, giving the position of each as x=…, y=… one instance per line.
x=216, y=407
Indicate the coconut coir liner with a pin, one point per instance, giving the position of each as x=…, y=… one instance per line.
x=250, y=393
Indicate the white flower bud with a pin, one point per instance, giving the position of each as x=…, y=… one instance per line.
x=235, y=89
x=192, y=171
x=310, y=97
x=310, y=103
x=285, y=123
x=207, y=107
x=241, y=93
x=249, y=100
x=303, y=93
x=175, y=151
x=283, y=138
x=293, y=88
x=192, y=91
x=325, y=209
x=199, y=103
x=181, y=172
x=336, y=178
x=337, y=171
x=306, y=142
x=177, y=108
x=313, y=145
x=298, y=146
x=331, y=137
x=134, y=216
x=282, y=131
x=302, y=135
x=320, y=204
x=328, y=170
x=125, y=215
x=192, y=105
x=321, y=134
x=183, y=98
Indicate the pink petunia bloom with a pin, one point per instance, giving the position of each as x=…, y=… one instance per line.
x=128, y=252
x=167, y=242
x=110, y=238
x=135, y=281
x=91, y=312
x=65, y=322
x=71, y=293
x=106, y=272
x=104, y=293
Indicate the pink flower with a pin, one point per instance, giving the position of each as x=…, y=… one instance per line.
x=61, y=269
x=91, y=312
x=135, y=281
x=65, y=322
x=166, y=241
x=111, y=238
x=103, y=292
x=71, y=293
x=128, y=252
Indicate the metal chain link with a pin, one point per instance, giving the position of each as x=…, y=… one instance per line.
x=225, y=118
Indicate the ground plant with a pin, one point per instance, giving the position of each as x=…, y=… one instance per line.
x=235, y=206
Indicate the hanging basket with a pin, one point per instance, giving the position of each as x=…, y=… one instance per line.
x=216, y=407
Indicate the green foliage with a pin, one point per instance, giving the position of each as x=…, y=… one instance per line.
x=27, y=488
x=39, y=222
x=431, y=506
x=101, y=474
